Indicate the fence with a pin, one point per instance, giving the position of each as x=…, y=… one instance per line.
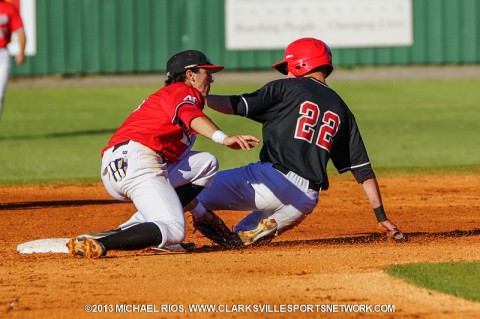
x=138, y=36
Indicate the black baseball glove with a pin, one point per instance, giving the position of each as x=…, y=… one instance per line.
x=214, y=228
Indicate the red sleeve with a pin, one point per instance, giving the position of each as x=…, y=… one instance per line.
x=187, y=112
x=16, y=21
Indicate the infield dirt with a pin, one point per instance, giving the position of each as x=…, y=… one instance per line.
x=336, y=256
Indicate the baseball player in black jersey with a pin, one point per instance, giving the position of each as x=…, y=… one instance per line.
x=305, y=124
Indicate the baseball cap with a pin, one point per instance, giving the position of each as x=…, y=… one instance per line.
x=188, y=59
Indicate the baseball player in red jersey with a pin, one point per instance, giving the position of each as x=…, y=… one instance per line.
x=305, y=124
x=10, y=22
x=149, y=161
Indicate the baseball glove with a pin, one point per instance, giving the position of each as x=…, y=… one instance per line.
x=213, y=227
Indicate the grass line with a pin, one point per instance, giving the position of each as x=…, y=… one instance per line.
x=460, y=279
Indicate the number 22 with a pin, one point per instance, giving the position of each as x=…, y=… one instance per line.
x=306, y=123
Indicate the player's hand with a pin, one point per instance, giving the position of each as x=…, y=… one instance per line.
x=244, y=142
x=393, y=233
x=19, y=59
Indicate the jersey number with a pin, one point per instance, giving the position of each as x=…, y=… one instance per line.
x=306, y=123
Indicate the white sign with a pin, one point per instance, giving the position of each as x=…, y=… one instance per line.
x=273, y=24
x=28, y=13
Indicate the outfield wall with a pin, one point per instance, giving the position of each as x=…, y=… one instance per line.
x=138, y=36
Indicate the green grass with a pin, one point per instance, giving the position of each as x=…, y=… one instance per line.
x=418, y=123
x=409, y=127
x=461, y=279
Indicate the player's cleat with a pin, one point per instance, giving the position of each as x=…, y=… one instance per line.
x=75, y=246
x=182, y=248
x=86, y=247
x=93, y=249
x=263, y=233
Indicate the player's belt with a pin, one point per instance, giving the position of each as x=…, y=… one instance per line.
x=128, y=141
x=285, y=171
x=120, y=144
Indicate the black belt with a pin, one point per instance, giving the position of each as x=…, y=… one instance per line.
x=311, y=185
x=120, y=144
x=128, y=141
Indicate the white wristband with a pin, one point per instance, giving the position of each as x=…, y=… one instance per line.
x=218, y=137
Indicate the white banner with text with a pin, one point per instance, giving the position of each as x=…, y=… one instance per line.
x=273, y=24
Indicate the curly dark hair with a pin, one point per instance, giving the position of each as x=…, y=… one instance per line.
x=179, y=77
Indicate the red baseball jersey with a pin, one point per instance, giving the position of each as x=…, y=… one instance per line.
x=10, y=21
x=162, y=121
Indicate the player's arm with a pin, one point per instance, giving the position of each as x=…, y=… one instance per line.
x=227, y=104
x=22, y=42
x=205, y=127
x=17, y=27
x=370, y=186
x=197, y=121
x=366, y=177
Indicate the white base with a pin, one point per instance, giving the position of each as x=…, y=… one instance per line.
x=58, y=245
x=47, y=245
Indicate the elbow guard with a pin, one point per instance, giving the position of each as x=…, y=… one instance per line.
x=363, y=173
x=238, y=105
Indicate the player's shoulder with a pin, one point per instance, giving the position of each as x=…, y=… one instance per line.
x=178, y=88
x=182, y=91
x=300, y=81
x=302, y=84
x=285, y=83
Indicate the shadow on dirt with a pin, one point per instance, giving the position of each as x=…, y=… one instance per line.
x=58, y=135
x=355, y=240
x=57, y=204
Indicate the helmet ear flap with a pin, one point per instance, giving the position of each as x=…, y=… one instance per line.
x=296, y=68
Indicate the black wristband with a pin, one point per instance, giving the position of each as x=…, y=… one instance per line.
x=380, y=213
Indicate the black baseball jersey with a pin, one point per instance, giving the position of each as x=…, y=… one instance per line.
x=305, y=123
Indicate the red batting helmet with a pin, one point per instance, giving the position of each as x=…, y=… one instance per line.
x=304, y=55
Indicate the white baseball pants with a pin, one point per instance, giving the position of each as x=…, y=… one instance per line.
x=4, y=72
x=150, y=183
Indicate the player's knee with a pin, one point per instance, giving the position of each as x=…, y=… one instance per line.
x=177, y=234
x=209, y=170
x=290, y=221
x=172, y=233
x=211, y=160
